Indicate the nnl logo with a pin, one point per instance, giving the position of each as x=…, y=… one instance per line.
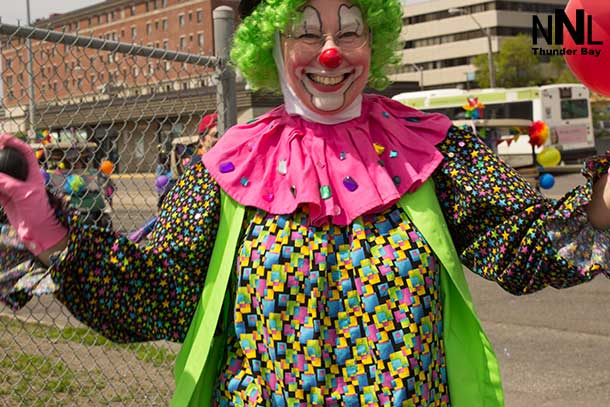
x=577, y=33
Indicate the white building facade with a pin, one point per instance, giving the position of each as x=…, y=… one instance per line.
x=442, y=37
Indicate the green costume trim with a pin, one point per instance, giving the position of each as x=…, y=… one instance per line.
x=192, y=387
x=472, y=368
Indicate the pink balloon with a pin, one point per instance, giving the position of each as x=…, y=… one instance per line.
x=589, y=69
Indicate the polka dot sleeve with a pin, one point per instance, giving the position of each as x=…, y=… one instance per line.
x=129, y=292
x=503, y=228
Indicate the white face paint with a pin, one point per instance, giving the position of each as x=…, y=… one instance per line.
x=323, y=89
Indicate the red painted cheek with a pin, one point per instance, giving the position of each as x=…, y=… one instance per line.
x=330, y=58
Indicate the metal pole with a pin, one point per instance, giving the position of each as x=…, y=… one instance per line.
x=59, y=37
x=490, y=54
x=421, y=76
x=32, y=107
x=226, y=95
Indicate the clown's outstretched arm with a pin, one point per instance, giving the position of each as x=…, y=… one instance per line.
x=126, y=291
x=508, y=232
x=130, y=292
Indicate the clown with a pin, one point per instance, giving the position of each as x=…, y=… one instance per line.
x=322, y=243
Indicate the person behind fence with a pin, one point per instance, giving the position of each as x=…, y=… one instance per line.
x=314, y=256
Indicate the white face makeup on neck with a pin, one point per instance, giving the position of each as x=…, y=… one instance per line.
x=327, y=56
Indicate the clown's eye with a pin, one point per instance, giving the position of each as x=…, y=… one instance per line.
x=309, y=37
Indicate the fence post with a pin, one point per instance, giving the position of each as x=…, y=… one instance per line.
x=226, y=98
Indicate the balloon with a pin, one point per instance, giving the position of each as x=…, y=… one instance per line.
x=46, y=176
x=546, y=181
x=161, y=182
x=106, y=167
x=539, y=133
x=39, y=154
x=549, y=157
x=75, y=185
x=589, y=69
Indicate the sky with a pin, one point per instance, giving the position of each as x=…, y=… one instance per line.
x=13, y=10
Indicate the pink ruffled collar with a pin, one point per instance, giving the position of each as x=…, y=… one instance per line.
x=278, y=162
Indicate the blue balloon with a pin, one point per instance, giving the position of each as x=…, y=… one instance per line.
x=546, y=181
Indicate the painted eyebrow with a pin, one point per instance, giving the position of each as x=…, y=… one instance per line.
x=357, y=22
x=307, y=27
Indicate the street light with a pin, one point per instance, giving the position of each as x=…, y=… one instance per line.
x=421, y=75
x=490, y=54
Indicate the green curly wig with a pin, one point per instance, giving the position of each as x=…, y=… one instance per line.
x=252, y=51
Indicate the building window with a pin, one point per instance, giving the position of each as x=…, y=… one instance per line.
x=156, y=25
x=191, y=38
x=164, y=24
x=199, y=16
x=190, y=16
x=165, y=44
x=133, y=33
x=182, y=42
x=181, y=20
x=200, y=40
x=163, y=3
x=148, y=28
x=132, y=10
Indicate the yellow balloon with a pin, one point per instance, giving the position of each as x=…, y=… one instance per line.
x=549, y=157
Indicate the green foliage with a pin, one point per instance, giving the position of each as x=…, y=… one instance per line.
x=516, y=65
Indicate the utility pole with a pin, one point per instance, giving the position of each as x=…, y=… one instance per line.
x=487, y=32
x=32, y=108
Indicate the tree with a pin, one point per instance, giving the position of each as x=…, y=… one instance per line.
x=516, y=65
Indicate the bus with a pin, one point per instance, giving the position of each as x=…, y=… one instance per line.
x=565, y=108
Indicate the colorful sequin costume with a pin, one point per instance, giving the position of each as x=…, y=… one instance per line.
x=347, y=312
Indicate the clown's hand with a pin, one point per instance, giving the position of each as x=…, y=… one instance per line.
x=599, y=208
x=26, y=203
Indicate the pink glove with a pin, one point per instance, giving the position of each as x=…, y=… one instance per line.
x=26, y=203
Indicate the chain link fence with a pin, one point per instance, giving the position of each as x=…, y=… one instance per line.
x=108, y=120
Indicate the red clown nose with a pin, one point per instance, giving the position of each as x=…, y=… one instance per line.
x=330, y=58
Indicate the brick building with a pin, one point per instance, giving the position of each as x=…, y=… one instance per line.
x=127, y=104
x=62, y=72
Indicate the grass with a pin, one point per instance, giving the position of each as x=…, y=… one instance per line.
x=146, y=353
x=32, y=373
x=42, y=380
